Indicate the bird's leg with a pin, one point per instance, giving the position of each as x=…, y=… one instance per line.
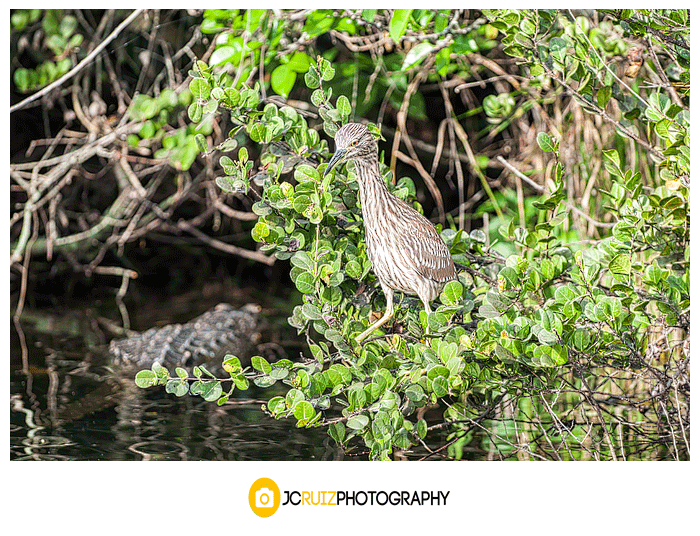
x=428, y=310
x=383, y=320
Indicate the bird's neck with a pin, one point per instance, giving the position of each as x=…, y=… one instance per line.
x=374, y=194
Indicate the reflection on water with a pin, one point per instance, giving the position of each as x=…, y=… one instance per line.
x=70, y=406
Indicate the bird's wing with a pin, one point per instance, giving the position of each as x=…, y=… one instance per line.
x=429, y=254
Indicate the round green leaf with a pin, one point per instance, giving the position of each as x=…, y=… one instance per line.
x=305, y=283
x=200, y=88
x=261, y=364
x=452, y=293
x=282, y=80
x=195, y=112
x=311, y=79
x=546, y=142
x=177, y=387
x=326, y=70
x=343, y=106
x=358, y=422
x=304, y=412
x=146, y=378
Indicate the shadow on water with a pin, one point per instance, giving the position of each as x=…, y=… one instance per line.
x=69, y=405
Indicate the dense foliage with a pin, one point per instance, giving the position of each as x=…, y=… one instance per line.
x=567, y=334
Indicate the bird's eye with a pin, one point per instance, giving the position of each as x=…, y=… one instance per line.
x=353, y=143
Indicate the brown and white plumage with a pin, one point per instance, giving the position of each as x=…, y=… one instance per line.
x=405, y=250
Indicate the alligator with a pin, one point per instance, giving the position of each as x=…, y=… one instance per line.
x=204, y=340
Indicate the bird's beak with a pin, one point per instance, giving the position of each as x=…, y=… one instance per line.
x=336, y=159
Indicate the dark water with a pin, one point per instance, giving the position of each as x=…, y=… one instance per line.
x=65, y=404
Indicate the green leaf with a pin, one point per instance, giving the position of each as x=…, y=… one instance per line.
x=300, y=62
x=201, y=142
x=369, y=14
x=337, y=432
x=305, y=173
x=358, y=422
x=662, y=128
x=399, y=23
x=415, y=393
x=620, y=266
x=231, y=97
x=304, y=412
x=325, y=69
x=279, y=373
x=452, y=293
x=557, y=48
x=301, y=203
x=318, y=97
x=282, y=80
x=276, y=405
x=200, y=88
x=416, y=55
x=311, y=311
x=550, y=356
x=305, y=283
x=256, y=131
x=226, y=54
x=208, y=390
x=610, y=307
x=177, y=387
x=261, y=364
x=232, y=364
x=231, y=184
x=249, y=98
x=581, y=339
x=344, y=108
x=312, y=79
x=264, y=382
x=381, y=426
x=603, y=95
x=228, y=165
x=160, y=371
x=421, y=428
x=515, y=51
x=546, y=142
x=146, y=378
x=353, y=269
x=543, y=335
x=565, y=294
x=611, y=160
x=302, y=259
x=440, y=386
x=195, y=112
x=536, y=70
x=260, y=231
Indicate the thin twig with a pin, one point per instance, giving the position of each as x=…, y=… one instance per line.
x=88, y=59
x=228, y=248
x=540, y=189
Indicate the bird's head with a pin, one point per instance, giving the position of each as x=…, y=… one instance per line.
x=353, y=140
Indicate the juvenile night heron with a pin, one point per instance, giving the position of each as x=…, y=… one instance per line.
x=405, y=250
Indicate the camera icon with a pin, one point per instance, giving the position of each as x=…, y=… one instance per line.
x=264, y=498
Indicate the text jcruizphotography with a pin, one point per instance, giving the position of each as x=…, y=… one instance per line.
x=265, y=497
x=365, y=498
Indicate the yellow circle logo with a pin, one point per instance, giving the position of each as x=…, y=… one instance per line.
x=264, y=497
